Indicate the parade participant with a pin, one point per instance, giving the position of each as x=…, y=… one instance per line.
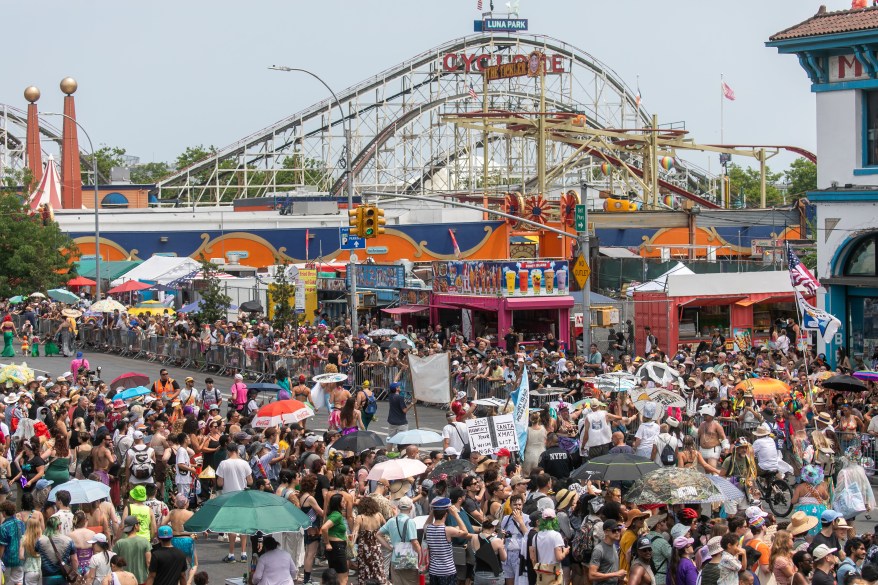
x=437, y=537
x=238, y=393
x=334, y=532
x=604, y=564
x=234, y=475
x=165, y=388
x=167, y=565
x=711, y=435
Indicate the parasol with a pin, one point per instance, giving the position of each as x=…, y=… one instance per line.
x=251, y=307
x=674, y=485
x=615, y=467
x=867, y=375
x=106, y=306
x=844, y=383
x=281, y=412
x=16, y=300
x=248, y=512
x=727, y=489
x=329, y=378
x=358, y=442
x=81, y=281
x=382, y=333
x=129, y=286
x=38, y=295
x=134, y=392
x=129, y=380
x=397, y=469
x=415, y=437
x=659, y=373
x=63, y=296
x=451, y=468
x=402, y=342
x=764, y=388
x=82, y=491
x=20, y=374
x=74, y=313
x=613, y=384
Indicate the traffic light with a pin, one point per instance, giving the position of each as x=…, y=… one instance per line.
x=372, y=221
x=355, y=220
x=379, y=214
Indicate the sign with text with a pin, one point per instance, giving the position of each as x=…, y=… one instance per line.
x=478, y=62
x=506, y=70
x=490, y=433
x=379, y=276
x=348, y=241
x=846, y=68
x=504, y=25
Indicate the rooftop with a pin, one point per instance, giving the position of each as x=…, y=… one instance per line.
x=827, y=23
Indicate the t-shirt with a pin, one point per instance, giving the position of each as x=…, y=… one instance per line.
x=729, y=565
x=763, y=549
x=546, y=542
x=625, y=545
x=134, y=551
x=821, y=578
x=65, y=521
x=456, y=434
x=339, y=526
x=710, y=574
x=168, y=563
x=234, y=473
x=606, y=559
x=646, y=432
x=11, y=532
x=765, y=450
x=182, y=477
x=556, y=462
x=395, y=414
x=599, y=431
x=831, y=541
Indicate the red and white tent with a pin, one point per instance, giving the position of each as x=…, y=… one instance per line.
x=49, y=189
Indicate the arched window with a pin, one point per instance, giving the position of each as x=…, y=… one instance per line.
x=114, y=199
x=861, y=259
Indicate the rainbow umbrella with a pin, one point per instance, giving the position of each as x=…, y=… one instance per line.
x=867, y=375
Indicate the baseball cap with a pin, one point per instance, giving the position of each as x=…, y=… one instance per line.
x=682, y=542
x=504, y=452
x=644, y=543
x=138, y=435
x=821, y=551
x=129, y=523
x=165, y=532
x=754, y=513
x=610, y=525
x=827, y=517
x=405, y=503
x=310, y=440
x=451, y=451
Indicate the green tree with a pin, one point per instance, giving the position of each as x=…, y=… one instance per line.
x=108, y=157
x=280, y=291
x=150, y=173
x=746, y=180
x=193, y=154
x=214, y=302
x=303, y=171
x=35, y=254
x=802, y=177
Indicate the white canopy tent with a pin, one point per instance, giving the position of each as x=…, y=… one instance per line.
x=660, y=284
x=160, y=269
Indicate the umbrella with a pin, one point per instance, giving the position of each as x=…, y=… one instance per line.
x=280, y=413
x=20, y=374
x=659, y=373
x=129, y=380
x=38, y=294
x=451, y=468
x=129, y=286
x=72, y=313
x=81, y=281
x=196, y=306
x=358, y=442
x=415, y=437
x=329, y=378
x=82, y=491
x=251, y=307
x=844, y=383
x=248, y=512
x=264, y=387
x=402, y=342
x=615, y=467
x=764, y=388
x=63, y=295
x=614, y=384
x=727, y=489
x=162, y=287
x=674, y=485
x=16, y=299
x=106, y=306
x=151, y=306
x=643, y=397
x=867, y=375
x=397, y=469
x=382, y=333
x=134, y=392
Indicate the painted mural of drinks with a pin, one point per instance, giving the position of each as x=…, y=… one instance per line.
x=531, y=278
x=561, y=277
x=549, y=279
x=536, y=277
x=510, y=282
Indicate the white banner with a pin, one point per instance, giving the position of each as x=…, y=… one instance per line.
x=431, y=378
x=488, y=434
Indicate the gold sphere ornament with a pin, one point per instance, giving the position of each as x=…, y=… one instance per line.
x=32, y=94
x=68, y=85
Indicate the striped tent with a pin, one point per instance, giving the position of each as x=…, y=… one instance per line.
x=49, y=189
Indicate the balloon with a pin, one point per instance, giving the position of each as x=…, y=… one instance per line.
x=669, y=200
x=605, y=168
x=667, y=163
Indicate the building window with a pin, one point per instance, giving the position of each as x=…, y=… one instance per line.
x=861, y=260
x=871, y=128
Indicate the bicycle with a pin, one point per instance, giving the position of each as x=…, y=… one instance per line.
x=772, y=490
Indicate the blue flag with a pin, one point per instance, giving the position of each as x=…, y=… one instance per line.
x=521, y=413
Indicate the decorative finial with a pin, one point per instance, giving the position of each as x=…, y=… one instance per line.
x=32, y=94
x=68, y=85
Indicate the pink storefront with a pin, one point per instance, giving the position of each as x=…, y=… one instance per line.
x=486, y=298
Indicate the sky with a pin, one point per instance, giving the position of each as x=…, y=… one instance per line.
x=156, y=77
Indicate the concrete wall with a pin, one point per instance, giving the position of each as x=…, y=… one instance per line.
x=839, y=138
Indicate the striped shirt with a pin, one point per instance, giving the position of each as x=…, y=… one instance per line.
x=441, y=557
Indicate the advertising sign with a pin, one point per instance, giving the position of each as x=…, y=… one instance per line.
x=467, y=277
x=504, y=25
x=743, y=337
x=490, y=433
x=414, y=296
x=379, y=276
x=524, y=278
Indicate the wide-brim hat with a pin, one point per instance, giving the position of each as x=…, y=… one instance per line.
x=800, y=523
x=761, y=431
x=825, y=418
x=399, y=488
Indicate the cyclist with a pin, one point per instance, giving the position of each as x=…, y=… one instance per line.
x=768, y=458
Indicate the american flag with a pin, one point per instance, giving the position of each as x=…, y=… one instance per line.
x=454, y=243
x=479, y=5
x=728, y=92
x=472, y=93
x=799, y=273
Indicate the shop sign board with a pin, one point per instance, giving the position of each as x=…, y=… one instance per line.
x=523, y=278
x=379, y=276
x=415, y=296
x=490, y=433
x=504, y=25
x=332, y=284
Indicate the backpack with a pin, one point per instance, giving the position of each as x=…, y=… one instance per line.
x=371, y=406
x=582, y=544
x=142, y=466
x=87, y=466
x=530, y=506
x=668, y=456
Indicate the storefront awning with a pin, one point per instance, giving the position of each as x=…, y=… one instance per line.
x=753, y=300
x=406, y=309
x=476, y=303
x=712, y=301
x=559, y=302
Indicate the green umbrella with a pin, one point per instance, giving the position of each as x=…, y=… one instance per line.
x=16, y=299
x=248, y=512
x=63, y=296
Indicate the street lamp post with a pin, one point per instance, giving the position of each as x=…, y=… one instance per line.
x=94, y=165
x=350, y=186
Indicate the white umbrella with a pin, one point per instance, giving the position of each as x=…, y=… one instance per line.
x=659, y=373
x=397, y=469
x=107, y=306
x=82, y=491
x=382, y=333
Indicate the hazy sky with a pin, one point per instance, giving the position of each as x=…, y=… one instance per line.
x=155, y=77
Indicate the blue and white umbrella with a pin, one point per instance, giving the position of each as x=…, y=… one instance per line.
x=728, y=491
x=82, y=491
x=63, y=296
x=415, y=437
x=130, y=393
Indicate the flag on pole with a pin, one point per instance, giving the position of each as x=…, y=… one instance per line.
x=521, y=412
x=472, y=93
x=637, y=97
x=479, y=5
x=814, y=318
x=307, y=242
x=799, y=273
x=728, y=93
x=454, y=243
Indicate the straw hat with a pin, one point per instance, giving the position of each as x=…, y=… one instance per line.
x=564, y=498
x=825, y=418
x=399, y=488
x=762, y=431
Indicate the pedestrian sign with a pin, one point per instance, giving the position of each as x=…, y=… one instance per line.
x=579, y=218
x=581, y=271
x=348, y=241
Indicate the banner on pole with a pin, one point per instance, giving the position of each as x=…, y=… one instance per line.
x=490, y=433
x=431, y=378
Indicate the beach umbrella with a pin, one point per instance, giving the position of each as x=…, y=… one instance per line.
x=727, y=489
x=402, y=342
x=844, y=383
x=415, y=437
x=39, y=295
x=451, y=468
x=82, y=491
x=659, y=373
x=63, y=295
x=129, y=393
x=81, y=281
x=281, y=412
x=251, y=307
x=674, y=485
x=20, y=374
x=396, y=469
x=867, y=375
x=248, y=512
x=16, y=300
x=382, y=333
x=106, y=306
x=615, y=467
x=764, y=388
x=129, y=380
x=129, y=286
x=74, y=313
x=154, y=307
x=358, y=441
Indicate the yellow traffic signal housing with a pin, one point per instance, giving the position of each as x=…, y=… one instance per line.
x=380, y=221
x=355, y=220
x=370, y=221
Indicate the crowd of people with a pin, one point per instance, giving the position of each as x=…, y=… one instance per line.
x=482, y=518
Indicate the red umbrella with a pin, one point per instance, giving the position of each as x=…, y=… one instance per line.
x=280, y=413
x=81, y=281
x=129, y=286
x=130, y=380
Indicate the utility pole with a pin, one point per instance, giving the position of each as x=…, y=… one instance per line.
x=352, y=264
x=582, y=239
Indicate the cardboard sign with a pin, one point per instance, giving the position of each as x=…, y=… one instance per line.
x=490, y=433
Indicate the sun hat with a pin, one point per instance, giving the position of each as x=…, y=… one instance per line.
x=653, y=521
x=821, y=551
x=682, y=542
x=633, y=515
x=440, y=503
x=138, y=493
x=101, y=538
x=399, y=488
x=548, y=513
x=762, y=431
x=825, y=418
x=801, y=523
x=714, y=546
x=564, y=498
x=678, y=530
x=165, y=532
x=517, y=480
x=756, y=522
